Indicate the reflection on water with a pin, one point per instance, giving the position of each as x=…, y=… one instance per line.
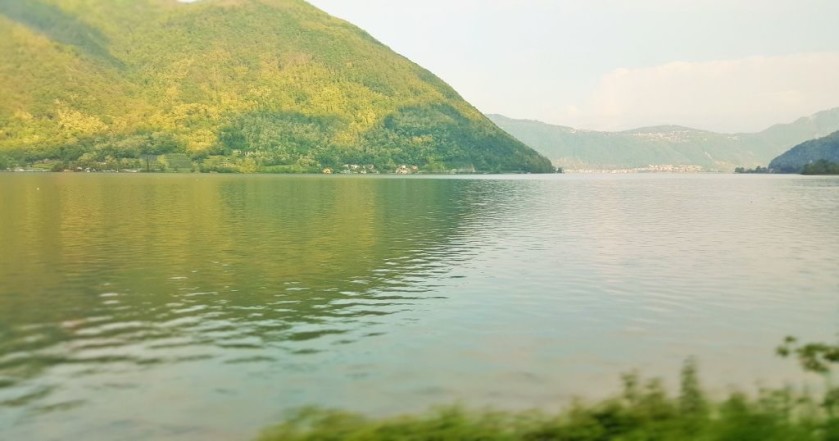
x=107, y=276
x=131, y=307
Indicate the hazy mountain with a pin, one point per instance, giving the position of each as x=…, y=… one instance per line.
x=665, y=145
x=809, y=152
x=237, y=85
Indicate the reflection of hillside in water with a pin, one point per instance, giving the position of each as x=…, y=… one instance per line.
x=113, y=272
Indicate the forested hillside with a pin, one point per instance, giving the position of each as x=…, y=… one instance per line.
x=226, y=85
x=818, y=156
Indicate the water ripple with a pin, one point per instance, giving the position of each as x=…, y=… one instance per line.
x=241, y=296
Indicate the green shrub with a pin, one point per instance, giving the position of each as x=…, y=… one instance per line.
x=644, y=411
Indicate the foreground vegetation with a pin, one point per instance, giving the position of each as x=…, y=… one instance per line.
x=643, y=411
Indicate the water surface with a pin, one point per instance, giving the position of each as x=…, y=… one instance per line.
x=186, y=306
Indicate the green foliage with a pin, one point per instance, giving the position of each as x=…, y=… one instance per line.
x=756, y=170
x=58, y=25
x=821, y=167
x=813, y=357
x=177, y=162
x=277, y=82
x=441, y=134
x=644, y=411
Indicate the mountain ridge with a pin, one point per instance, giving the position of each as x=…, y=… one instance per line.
x=665, y=144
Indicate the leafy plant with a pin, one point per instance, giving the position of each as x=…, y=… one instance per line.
x=643, y=411
x=813, y=357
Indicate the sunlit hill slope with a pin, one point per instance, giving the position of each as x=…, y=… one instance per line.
x=227, y=85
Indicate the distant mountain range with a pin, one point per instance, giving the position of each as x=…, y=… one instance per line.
x=226, y=85
x=664, y=147
x=808, y=153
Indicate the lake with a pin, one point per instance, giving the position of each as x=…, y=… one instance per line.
x=136, y=307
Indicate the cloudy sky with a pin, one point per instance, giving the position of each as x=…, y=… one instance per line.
x=726, y=65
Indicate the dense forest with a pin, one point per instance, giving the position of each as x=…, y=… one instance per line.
x=821, y=167
x=227, y=86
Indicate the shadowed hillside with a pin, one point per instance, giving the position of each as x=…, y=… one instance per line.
x=818, y=156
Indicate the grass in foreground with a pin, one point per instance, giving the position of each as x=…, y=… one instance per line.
x=644, y=411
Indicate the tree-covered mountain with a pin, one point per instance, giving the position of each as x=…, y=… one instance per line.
x=237, y=85
x=665, y=145
x=817, y=156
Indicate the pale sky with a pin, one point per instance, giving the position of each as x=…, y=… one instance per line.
x=724, y=65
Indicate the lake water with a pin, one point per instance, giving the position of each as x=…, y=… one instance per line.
x=136, y=307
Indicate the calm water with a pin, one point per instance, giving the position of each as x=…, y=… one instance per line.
x=178, y=307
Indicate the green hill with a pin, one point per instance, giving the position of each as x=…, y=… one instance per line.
x=817, y=156
x=235, y=85
x=665, y=145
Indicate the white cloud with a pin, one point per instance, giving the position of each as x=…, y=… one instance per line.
x=728, y=95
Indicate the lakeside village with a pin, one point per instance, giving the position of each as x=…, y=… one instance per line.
x=355, y=169
x=182, y=163
x=370, y=169
x=659, y=168
x=347, y=169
